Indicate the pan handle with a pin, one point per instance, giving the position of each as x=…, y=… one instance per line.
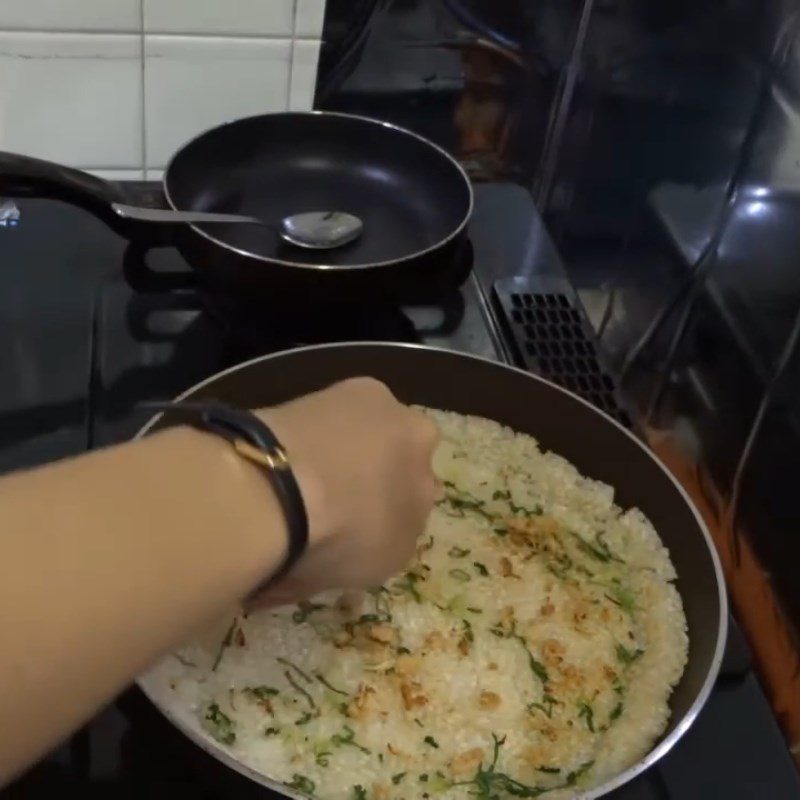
x=24, y=176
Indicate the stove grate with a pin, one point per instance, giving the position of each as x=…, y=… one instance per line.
x=551, y=336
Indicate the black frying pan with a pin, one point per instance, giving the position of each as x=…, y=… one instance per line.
x=415, y=201
x=597, y=445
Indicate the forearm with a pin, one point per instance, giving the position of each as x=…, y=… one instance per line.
x=108, y=560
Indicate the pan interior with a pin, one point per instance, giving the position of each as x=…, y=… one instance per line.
x=560, y=421
x=409, y=194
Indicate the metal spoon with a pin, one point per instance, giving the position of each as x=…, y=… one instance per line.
x=313, y=230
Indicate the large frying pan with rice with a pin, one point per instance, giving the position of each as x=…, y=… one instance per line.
x=561, y=421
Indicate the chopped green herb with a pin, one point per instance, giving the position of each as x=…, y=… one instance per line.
x=431, y=741
x=440, y=783
x=616, y=712
x=304, y=610
x=305, y=719
x=382, y=605
x=590, y=549
x=487, y=783
x=302, y=784
x=575, y=776
x=457, y=552
x=397, y=778
x=271, y=732
x=403, y=651
x=549, y=770
x=474, y=610
x=600, y=541
x=560, y=565
x=587, y=713
x=498, y=631
x=298, y=688
x=220, y=725
x=224, y=645
x=622, y=596
x=324, y=682
x=460, y=575
x=424, y=777
x=515, y=509
x=359, y=793
x=407, y=584
x=287, y=663
x=537, y=668
x=462, y=501
x=626, y=656
x=468, y=634
x=347, y=738
x=184, y=661
x=480, y=568
x=418, y=722
x=546, y=706
x=260, y=692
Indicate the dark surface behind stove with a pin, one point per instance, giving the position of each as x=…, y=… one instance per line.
x=82, y=349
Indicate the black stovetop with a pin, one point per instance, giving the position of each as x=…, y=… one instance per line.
x=81, y=348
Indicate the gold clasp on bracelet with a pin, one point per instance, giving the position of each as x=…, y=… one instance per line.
x=275, y=459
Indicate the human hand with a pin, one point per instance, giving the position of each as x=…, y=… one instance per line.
x=363, y=462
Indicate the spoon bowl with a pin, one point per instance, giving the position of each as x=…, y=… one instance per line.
x=311, y=230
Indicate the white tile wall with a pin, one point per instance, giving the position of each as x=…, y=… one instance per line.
x=309, y=17
x=72, y=97
x=116, y=86
x=193, y=83
x=71, y=15
x=221, y=18
x=305, y=57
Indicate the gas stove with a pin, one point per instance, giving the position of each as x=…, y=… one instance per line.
x=87, y=341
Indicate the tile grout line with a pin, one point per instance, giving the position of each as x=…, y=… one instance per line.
x=143, y=115
x=290, y=71
x=282, y=37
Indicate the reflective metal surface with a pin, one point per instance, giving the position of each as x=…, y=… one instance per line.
x=169, y=216
x=321, y=230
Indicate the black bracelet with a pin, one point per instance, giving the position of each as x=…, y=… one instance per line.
x=253, y=440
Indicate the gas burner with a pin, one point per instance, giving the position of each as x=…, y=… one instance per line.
x=153, y=345
x=252, y=330
x=150, y=267
x=248, y=328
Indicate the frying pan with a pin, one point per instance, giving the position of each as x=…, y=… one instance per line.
x=414, y=199
x=561, y=421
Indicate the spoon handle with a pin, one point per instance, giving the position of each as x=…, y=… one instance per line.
x=171, y=216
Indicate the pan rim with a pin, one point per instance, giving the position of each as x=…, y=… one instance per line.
x=664, y=745
x=370, y=265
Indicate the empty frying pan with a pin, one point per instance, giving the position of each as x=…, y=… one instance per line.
x=413, y=199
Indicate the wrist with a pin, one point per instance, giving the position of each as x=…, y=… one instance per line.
x=255, y=528
x=322, y=521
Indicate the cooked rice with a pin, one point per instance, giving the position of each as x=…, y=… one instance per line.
x=538, y=620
